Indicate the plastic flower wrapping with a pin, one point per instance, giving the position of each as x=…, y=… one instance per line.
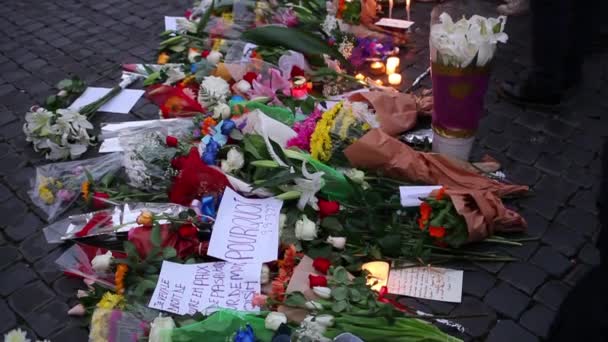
x=466, y=41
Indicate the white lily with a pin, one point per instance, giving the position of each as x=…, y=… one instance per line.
x=308, y=187
x=174, y=74
x=158, y=325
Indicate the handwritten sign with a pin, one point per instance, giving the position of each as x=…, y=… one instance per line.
x=427, y=282
x=188, y=289
x=171, y=23
x=410, y=195
x=246, y=229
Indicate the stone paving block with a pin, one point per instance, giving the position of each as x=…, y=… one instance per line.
x=476, y=327
x=553, y=165
x=563, y=240
x=523, y=252
x=578, y=272
x=578, y=220
x=477, y=283
x=557, y=129
x=523, y=153
x=47, y=268
x=551, y=261
x=523, y=174
x=544, y=206
x=491, y=266
x=557, y=188
x=579, y=175
x=538, y=320
x=437, y=307
x=496, y=142
x=523, y=276
x=68, y=286
x=72, y=333
x=28, y=226
x=14, y=277
x=8, y=255
x=7, y=318
x=35, y=247
x=48, y=319
x=509, y=331
x=507, y=300
x=552, y=294
x=590, y=255
x=30, y=297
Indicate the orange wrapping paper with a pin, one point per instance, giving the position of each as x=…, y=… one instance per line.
x=475, y=197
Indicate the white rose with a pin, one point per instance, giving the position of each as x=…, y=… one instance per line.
x=306, y=229
x=325, y=320
x=312, y=305
x=274, y=320
x=321, y=291
x=337, y=242
x=355, y=175
x=282, y=222
x=221, y=110
x=242, y=86
x=265, y=275
x=101, y=263
x=214, y=57
x=234, y=161
x=158, y=325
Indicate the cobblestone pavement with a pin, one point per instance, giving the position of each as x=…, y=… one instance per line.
x=557, y=154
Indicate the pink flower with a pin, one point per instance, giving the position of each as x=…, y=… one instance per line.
x=259, y=300
x=269, y=85
x=305, y=129
x=286, y=16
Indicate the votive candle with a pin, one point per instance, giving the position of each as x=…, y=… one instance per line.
x=377, y=68
x=394, y=79
x=392, y=63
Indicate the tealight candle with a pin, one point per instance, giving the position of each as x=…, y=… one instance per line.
x=379, y=82
x=392, y=63
x=378, y=274
x=377, y=68
x=394, y=79
x=359, y=77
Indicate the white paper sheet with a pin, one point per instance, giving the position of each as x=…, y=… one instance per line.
x=188, y=289
x=121, y=103
x=171, y=23
x=246, y=230
x=410, y=195
x=427, y=282
x=394, y=23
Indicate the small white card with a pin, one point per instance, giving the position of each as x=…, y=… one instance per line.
x=410, y=195
x=427, y=282
x=247, y=51
x=188, y=289
x=246, y=229
x=171, y=23
x=121, y=103
x=395, y=23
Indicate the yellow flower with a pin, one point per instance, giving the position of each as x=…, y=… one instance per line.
x=85, y=188
x=366, y=127
x=163, y=58
x=58, y=184
x=46, y=195
x=320, y=141
x=99, y=325
x=111, y=301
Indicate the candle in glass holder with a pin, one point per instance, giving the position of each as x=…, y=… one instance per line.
x=394, y=79
x=392, y=63
x=407, y=8
x=377, y=68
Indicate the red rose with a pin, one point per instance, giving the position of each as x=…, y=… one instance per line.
x=250, y=76
x=321, y=265
x=171, y=141
x=205, y=53
x=187, y=231
x=296, y=71
x=437, y=232
x=317, y=281
x=100, y=200
x=328, y=208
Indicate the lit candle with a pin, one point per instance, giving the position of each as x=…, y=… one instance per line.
x=392, y=63
x=379, y=82
x=390, y=8
x=378, y=274
x=407, y=8
x=394, y=79
x=360, y=77
x=377, y=68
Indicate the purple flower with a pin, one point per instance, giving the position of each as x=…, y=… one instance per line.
x=285, y=16
x=65, y=195
x=305, y=129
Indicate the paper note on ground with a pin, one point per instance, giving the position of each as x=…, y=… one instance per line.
x=188, y=289
x=246, y=229
x=427, y=282
x=121, y=103
x=171, y=23
x=410, y=195
x=394, y=23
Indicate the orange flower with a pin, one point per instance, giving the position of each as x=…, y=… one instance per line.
x=207, y=124
x=425, y=215
x=119, y=278
x=440, y=194
x=437, y=232
x=85, y=189
x=163, y=58
x=289, y=259
x=173, y=104
x=145, y=218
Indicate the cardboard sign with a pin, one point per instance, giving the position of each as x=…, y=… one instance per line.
x=121, y=103
x=427, y=282
x=410, y=195
x=246, y=229
x=188, y=289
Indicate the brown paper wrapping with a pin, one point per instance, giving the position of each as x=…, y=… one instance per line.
x=476, y=197
x=396, y=112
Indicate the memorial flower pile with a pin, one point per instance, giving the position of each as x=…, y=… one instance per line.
x=255, y=199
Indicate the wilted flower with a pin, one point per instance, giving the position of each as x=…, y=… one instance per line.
x=145, y=218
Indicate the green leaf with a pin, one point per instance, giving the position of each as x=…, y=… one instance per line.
x=340, y=275
x=155, y=237
x=293, y=39
x=332, y=224
x=339, y=306
x=151, y=79
x=390, y=244
x=279, y=151
x=204, y=20
x=339, y=293
x=130, y=249
x=64, y=84
x=308, y=105
x=355, y=295
x=169, y=252
x=295, y=299
x=280, y=178
x=254, y=145
x=107, y=179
